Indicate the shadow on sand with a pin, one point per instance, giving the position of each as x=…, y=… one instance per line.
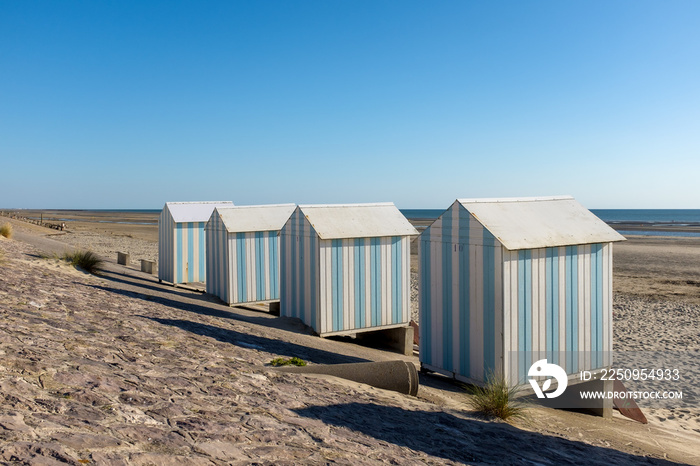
x=206, y=304
x=270, y=345
x=468, y=441
x=198, y=303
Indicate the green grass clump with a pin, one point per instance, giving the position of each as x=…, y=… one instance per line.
x=6, y=230
x=86, y=260
x=288, y=362
x=496, y=399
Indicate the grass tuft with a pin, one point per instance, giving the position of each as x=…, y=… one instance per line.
x=496, y=399
x=6, y=230
x=86, y=260
x=288, y=362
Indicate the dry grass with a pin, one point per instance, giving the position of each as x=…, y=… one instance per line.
x=6, y=230
x=86, y=260
x=496, y=399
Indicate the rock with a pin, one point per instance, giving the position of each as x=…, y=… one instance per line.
x=225, y=451
x=14, y=422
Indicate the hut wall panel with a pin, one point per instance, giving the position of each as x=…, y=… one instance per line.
x=497, y=293
x=572, y=310
x=386, y=280
x=286, y=273
x=234, y=281
x=364, y=283
x=460, y=289
x=510, y=313
x=559, y=287
x=166, y=247
x=407, y=279
x=606, y=296
x=476, y=339
x=437, y=299
x=299, y=279
x=348, y=302
x=217, y=259
x=507, y=314
x=453, y=286
x=189, y=258
x=326, y=286
x=249, y=271
x=252, y=281
x=365, y=280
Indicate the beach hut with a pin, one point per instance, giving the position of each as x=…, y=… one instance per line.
x=181, y=249
x=507, y=282
x=345, y=269
x=243, y=252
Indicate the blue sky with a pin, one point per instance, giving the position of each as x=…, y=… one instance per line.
x=130, y=104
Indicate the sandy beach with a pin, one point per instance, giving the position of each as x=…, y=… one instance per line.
x=117, y=369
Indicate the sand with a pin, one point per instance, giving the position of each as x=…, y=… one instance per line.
x=120, y=370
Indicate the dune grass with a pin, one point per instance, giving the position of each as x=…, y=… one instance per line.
x=295, y=361
x=496, y=399
x=6, y=230
x=86, y=260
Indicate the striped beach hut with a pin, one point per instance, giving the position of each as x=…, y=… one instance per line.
x=345, y=269
x=243, y=252
x=507, y=282
x=181, y=256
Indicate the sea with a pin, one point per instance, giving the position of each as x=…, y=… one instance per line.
x=667, y=218
x=673, y=222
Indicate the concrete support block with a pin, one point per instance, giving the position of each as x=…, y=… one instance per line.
x=148, y=266
x=399, y=376
x=399, y=339
x=571, y=398
x=275, y=308
x=122, y=258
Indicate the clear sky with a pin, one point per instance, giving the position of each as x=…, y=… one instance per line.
x=129, y=104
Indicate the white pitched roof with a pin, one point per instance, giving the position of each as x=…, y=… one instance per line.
x=194, y=211
x=357, y=220
x=529, y=223
x=255, y=217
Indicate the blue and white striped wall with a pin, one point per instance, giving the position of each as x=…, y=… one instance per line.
x=299, y=271
x=181, y=250
x=242, y=267
x=218, y=268
x=486, y=309
x=342, y=286
x=166, y=247
x=558, y=306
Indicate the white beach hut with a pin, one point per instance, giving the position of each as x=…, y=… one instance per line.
x=346, y=268
x=507, y=282
x=181, y=248
x=243, y=252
